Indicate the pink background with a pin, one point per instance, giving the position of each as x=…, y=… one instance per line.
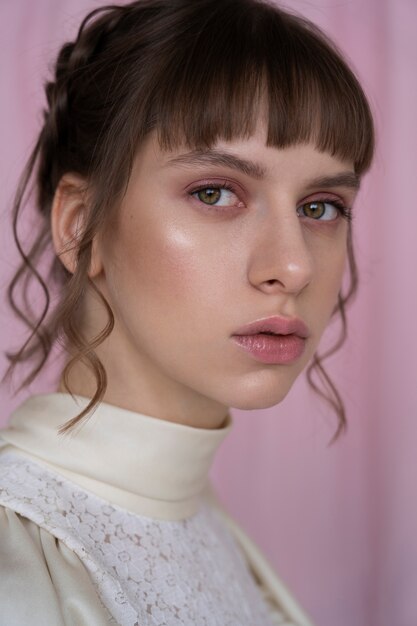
x=339, y=524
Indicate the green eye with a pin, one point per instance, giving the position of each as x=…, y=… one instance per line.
x=209, y=195
x=218, y=196
x=314, y=210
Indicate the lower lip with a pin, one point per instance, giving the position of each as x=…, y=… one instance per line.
x=272, y=348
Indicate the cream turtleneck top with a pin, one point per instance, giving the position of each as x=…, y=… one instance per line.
x=116, y=523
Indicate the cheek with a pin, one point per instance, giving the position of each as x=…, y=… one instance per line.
x=165, y=265
x=330, y=269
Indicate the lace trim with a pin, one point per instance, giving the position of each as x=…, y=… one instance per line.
x=147, y=572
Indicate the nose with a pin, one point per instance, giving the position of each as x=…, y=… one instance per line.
x=281, y=261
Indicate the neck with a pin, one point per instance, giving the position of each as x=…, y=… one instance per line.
x=149, y=466
x=189, y=409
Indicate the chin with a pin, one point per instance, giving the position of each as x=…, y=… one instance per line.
x=252, y=397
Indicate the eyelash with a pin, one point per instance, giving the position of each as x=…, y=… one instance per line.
x=225, y=185
x=345, y=212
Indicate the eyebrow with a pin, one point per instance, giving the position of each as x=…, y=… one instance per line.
x=257, y=171
x=215, y=157
x=344, y=179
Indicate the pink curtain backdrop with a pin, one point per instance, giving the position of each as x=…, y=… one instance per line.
x=338, y=523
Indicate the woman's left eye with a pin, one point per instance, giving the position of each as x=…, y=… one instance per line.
x=216, y=196
x=324, y=211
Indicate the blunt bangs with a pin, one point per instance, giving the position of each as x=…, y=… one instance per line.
x=242, y=59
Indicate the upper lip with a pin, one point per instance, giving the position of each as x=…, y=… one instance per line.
x=276, y=324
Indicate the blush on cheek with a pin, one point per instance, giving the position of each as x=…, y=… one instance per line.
x=164, y=265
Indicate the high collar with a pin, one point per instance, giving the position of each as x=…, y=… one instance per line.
x=150, y=466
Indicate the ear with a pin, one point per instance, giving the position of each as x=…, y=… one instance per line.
x=68, y=214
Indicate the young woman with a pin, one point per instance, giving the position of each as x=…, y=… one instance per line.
x=195, y=175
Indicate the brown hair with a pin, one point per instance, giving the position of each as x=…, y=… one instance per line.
x=196, y=71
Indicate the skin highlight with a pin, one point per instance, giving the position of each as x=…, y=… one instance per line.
x=182, y=275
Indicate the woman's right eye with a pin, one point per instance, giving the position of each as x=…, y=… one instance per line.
x=216, y=196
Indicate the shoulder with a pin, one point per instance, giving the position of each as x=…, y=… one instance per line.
x=40, y=578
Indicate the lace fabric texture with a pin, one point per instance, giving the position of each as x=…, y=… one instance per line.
x=147, y=572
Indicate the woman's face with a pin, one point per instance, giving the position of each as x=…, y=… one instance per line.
x=204, y=244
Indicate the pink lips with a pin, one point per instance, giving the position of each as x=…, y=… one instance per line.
x=285, y=345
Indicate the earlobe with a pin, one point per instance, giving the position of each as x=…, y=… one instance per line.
x=68, y=214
